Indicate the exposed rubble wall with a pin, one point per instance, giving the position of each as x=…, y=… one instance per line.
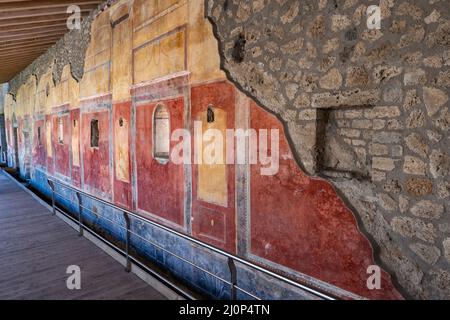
x=367, y=109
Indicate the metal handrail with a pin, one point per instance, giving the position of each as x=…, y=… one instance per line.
x=231, y=258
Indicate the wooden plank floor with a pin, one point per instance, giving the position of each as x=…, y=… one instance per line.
x=36, y=248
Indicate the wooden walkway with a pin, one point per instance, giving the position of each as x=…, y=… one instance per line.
x=36, y=248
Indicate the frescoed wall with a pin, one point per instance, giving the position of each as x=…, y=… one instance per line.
x=153, y=67
x=3, y=143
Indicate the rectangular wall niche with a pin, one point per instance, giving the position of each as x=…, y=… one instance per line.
x=95, y=134
x=339, y=154
x=161, y=133
x=39, y=136
x=60, y=130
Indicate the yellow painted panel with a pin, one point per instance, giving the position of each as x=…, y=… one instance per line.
x=144, y=10
x=86, y=85
x=65, y=76
x=9, y=106
x=102, y=37
x=96, y=77
x=73, y=88
x=74, y=93
x=97, y=54
x=57, y=95
x=118, y=10
x=25, y=97
x=102, y=57
x=76, y=143
x=99, y=20
x=121, y=76
x=19, y=102
x=66, y=72
x=89, y=59
x=122, y=151
x=40, y=101
x=95, y=82
x=65, y=91
x=101, y=29
x=203, y=54
x=160, y=26
x=160, y=58
x=212, y=178
x=45, y=91
x=102, y=74
x=142, y=60
x=165, y=4
x=48, y=138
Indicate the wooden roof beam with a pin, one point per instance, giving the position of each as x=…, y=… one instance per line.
x=9, y=6
x=27, y=44
x=42, y=19
x=30, y=13
x=9, y=39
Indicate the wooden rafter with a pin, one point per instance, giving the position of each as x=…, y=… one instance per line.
x=29, y=28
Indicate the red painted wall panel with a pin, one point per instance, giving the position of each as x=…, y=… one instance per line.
x=39, y=154
x=160, y=187
x=96, y=160
x=61, y=154
x=223, y=232
x=301, y=223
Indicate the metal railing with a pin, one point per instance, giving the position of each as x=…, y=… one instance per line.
x=3, y=156
x=231, y=259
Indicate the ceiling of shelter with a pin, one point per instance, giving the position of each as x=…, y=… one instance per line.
x=29, y=28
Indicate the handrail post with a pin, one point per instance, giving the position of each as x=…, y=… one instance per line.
x=52, y=186
x=233, y=277
x=80, y=221
x=127, y=242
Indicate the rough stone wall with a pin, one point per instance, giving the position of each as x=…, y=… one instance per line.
x=367, y=109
